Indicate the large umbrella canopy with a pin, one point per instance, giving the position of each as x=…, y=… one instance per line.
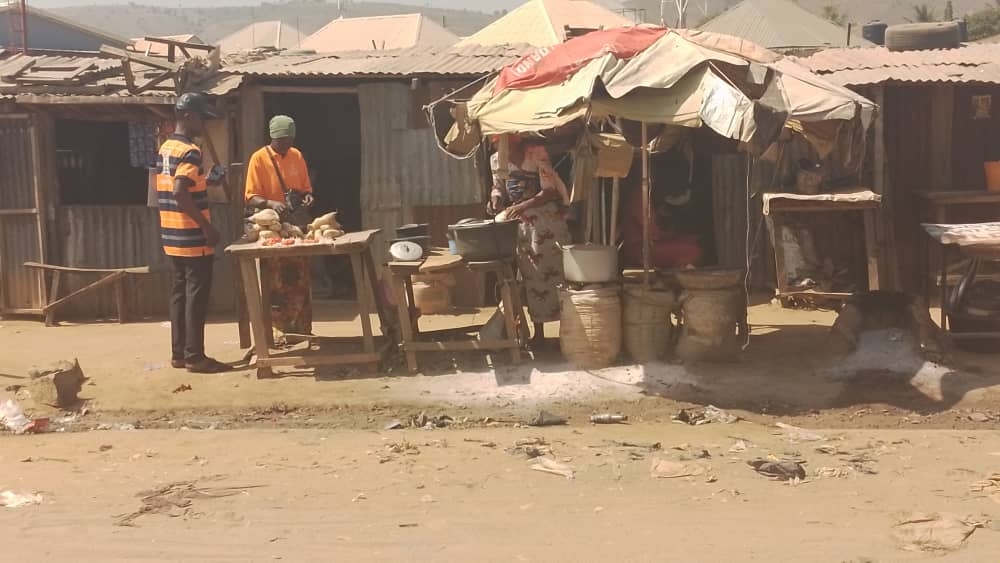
x=660, y=75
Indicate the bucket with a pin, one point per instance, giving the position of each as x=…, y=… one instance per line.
x=992, y=169
x=647, y=327
x=590, y=332
x=590, y=263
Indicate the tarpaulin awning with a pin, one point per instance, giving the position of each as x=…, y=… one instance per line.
x=681, y=78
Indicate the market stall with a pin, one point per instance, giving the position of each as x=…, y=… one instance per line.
x=651, y=86
x=250, y=257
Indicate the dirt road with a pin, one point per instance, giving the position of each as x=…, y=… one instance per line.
x=459, y=495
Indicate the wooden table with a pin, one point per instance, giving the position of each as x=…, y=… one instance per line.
x=865, y=202
x=412, y=340
x=985, y=248
x=937, y=207
x=257, y=294
x=117, y=278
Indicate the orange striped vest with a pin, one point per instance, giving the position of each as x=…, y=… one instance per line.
x=180, y=234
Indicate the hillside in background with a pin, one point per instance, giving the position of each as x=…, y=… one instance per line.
x=213, y=23
x=857, y=11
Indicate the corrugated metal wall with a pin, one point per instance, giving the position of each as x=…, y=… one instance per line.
x=19, y=229
x=402, y=167
x=91, y=236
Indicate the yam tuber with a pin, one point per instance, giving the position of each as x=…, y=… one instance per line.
x=267, y=235
x=329, y=220
x=266, y=217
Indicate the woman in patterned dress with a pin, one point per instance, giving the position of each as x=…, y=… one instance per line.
x=538, y=200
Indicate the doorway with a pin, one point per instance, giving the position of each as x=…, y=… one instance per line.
x=328, y=132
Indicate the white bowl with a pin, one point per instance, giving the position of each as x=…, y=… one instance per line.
x=406, y=251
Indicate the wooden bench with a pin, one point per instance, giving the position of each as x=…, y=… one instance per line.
x=117, y=278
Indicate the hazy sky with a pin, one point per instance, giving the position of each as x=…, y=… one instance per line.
x=482, y=5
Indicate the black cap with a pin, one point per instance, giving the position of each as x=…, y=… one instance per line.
x=196, y=102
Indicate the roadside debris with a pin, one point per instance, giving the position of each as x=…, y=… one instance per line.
x=421, y=421
x=739, y=446
x=544, y=418
x=10, y=499
x=483, y=443
x=667, y=469
x=547, y=465
x=917, y=531
x=14, y=419
x=795, y=434
x=58, y=385
x=989, y=487
x=174, y=499
x=397, y=448
x=980, y=417
x=779, y=470
x=707, y=415
x=608, y=418
x=359, y=497
x=531, y=448
x=648, y=446
x=182, y=388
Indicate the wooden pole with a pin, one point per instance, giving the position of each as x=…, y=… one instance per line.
x=646, y=249
x=615, y=199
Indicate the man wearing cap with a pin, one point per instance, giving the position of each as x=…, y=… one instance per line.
x=187, y=234
x=278, y=179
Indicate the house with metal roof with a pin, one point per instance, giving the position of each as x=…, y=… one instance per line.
x=262, y=35
x=46, y=31
x=379, y=33
x=782, y=25
x=364, y=130
x=939, y=121
x=546, y=22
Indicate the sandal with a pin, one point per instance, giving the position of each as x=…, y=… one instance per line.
x=208, y=365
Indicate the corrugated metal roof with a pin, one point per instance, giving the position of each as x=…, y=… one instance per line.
x=258, y=35
x=876, y=65
x=62, y=75
x=108, y=38
x=543, y=23
x=472, y=60
x=380, y=32
x=777, y=24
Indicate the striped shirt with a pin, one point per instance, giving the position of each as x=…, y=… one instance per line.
x=180, y=234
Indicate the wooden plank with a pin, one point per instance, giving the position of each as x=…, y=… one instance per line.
x=242, y=316
x=25, y=211
x=151, y=62
x=941, y=121
x=108, y=279
x=871, y=250
x=314, y=360
x=510, y=317
x=260, y=325
x=129, y=77
x=156, y=80
x=185, y=44
x=959, y=197
x=365, y=306
x=440, y=263
x=121, y=305
x=138, y=270
x=50, y=316
x=16, y=71
x=405, y=320
x=459, y=346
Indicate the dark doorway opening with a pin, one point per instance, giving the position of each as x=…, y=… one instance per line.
x=93, y=164
x=328, y=132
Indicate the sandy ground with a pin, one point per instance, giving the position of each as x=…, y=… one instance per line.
x=789, y=372
x=458, y=495
x=316, y=475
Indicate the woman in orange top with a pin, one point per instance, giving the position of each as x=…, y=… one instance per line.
x=278, y=179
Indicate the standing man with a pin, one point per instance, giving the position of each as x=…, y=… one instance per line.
x=187, y=234
x=278, y=179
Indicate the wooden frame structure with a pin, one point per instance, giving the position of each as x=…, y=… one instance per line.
x=117, y=278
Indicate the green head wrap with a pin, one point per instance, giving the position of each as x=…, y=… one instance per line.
x=282, y=126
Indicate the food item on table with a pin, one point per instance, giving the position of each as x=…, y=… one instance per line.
x=288, y=241
x=252, y=235
x=328, y=220
x=266, y=217
x=268, y=235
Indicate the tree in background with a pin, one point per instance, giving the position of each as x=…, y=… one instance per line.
x=832, y=12
x=984, y=23
x=949, y=12
x=922, y=13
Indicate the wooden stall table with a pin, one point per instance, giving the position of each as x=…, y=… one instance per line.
x=257, y=294
x=937, y=207
x=412, y=340
x=866, y=202
x=977, y=241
